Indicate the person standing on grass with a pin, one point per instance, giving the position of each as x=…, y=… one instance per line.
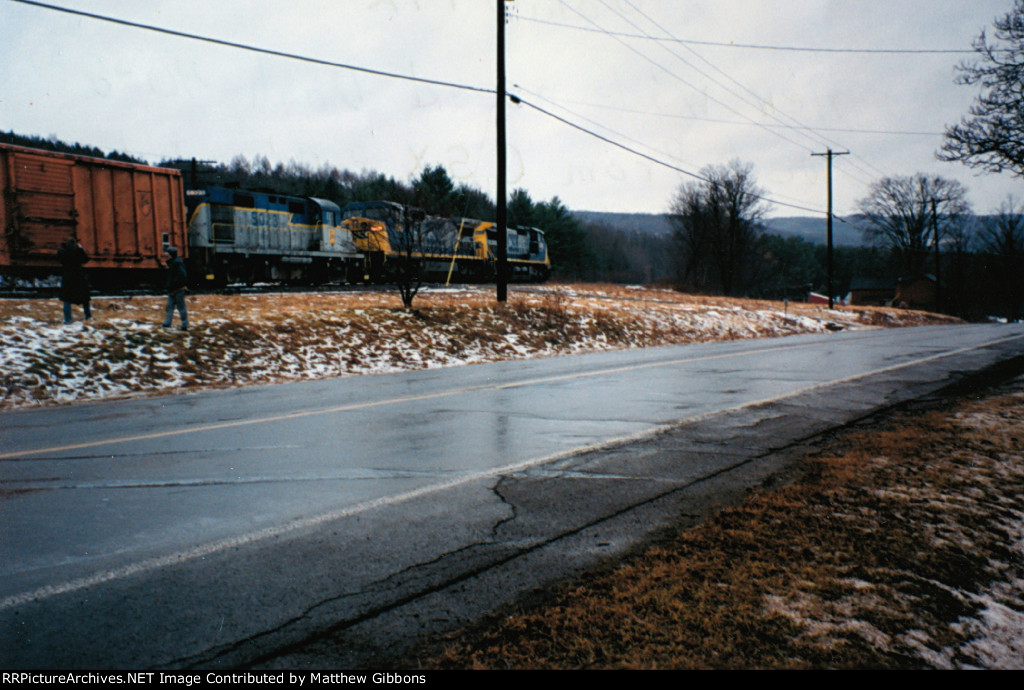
x=74, y=286
x=177, y=287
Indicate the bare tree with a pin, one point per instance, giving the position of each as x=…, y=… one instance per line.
x=407, y=261
x=991, y=136
x=718, y=223
x=910, y=215
x=1003, y=241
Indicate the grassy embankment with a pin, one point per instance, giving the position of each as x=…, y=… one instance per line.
x=251, y=339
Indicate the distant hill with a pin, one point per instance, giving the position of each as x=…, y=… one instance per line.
x=648, y=223
x=844, y=232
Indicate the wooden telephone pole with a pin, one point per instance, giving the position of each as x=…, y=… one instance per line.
x=831, y=154
x=502, y=194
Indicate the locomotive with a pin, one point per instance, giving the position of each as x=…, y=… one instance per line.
x=460, y=248
x=127, y=215
x=247, y=236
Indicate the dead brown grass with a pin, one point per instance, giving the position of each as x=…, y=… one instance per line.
x=892, y=551
x=244, y=339
x=551, y=296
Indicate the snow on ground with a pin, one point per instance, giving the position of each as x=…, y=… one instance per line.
x=265, y=338
x=955, y=597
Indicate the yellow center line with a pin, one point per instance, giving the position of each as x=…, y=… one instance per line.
x=455, y=391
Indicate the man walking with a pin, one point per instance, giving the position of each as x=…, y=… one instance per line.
x=177, y=287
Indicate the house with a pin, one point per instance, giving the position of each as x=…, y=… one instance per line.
x=875, y=292
x=922, y=292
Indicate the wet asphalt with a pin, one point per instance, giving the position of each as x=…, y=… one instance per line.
x=336, y=522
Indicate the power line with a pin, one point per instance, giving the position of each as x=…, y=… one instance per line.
x=797, y=126
x=598, y=124
x=713, y=120
x=681, y=79
x=609, y=129
x=688, y=173
x=755, y=46
x=255, y=49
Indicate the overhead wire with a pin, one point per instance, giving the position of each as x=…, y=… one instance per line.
x=519, y=100
x=679, y=78
x=825, y=140
x=365, y=70
x=255, y=49
x=756, y=46
x=799, y=129
x=696, y=118
x=521, y=89
x=798, y=126
x=763, y=106
x=704, y=93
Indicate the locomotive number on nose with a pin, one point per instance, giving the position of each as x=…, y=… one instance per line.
x=270, y=221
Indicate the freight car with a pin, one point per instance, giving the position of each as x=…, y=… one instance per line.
x=463, y=249
x=123, y=214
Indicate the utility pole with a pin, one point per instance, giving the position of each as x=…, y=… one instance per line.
x=831, y=154
x=938, y=262
x=502, y=194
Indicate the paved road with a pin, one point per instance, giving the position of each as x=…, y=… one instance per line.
x=220, y=528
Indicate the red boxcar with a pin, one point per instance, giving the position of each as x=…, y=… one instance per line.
x=123, y=214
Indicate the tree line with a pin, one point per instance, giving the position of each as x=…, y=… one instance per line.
x=917, y=225
x=54, y=144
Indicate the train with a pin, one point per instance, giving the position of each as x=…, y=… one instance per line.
x=463, y=249
x=127, y=215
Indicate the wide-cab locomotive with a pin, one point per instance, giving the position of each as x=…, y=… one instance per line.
x=459, y=249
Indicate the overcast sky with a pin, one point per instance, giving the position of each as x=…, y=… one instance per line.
x=688, y=105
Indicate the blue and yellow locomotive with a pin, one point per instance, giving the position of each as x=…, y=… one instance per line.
x=237, y=235
x=461, y=249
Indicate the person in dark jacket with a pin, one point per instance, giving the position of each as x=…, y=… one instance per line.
x=177, y=288
x=74, y=285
